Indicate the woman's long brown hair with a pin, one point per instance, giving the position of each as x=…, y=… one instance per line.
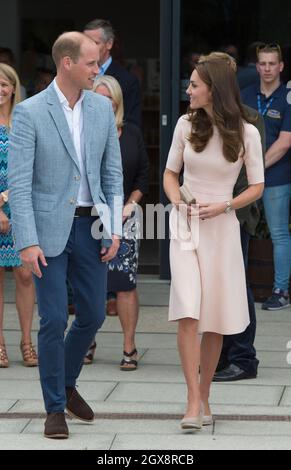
x=218, y=72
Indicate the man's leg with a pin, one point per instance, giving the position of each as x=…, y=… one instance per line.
x=277, y=209
x=51, y=293
x=88, y=276
x=240, y=348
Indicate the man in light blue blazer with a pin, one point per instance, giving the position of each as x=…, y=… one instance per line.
x=64, y=159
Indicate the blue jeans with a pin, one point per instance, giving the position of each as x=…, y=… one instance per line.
x=277, y=206
x=61, y=360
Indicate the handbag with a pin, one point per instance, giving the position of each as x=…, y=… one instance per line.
x=186, y=195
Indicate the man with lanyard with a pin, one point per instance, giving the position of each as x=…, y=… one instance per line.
x=270, y=99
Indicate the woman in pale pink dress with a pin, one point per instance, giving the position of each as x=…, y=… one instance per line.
x=208, y=289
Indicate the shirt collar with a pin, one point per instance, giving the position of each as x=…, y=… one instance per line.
x=105, y=66
x=63, y=99
x=275, y=93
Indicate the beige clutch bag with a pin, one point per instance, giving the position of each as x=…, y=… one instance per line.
x=186, y=195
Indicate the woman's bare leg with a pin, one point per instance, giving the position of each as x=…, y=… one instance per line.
x=189, y=349
x=127, y=308
x=2, y=274
x=211, y=346
x=25, y=297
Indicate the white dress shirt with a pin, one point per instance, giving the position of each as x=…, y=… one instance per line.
x=75, y=122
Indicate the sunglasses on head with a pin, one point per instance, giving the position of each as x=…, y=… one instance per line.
x=271, y=45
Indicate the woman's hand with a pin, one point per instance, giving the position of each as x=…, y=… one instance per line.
x=4, y=223
x=127, y=211
x=191, y=208
x=211, y=209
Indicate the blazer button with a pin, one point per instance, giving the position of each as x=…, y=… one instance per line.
x=77, y=178
x=72, y=201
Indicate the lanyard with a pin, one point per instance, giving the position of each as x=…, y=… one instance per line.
x=267, y=106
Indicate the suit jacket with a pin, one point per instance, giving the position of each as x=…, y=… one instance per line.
x=44, y=174
x=249, y=216
x=130, y=90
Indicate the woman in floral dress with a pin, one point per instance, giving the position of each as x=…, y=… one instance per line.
x=122, y=270
x=9, y=96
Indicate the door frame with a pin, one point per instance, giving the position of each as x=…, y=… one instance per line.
x=170, y=37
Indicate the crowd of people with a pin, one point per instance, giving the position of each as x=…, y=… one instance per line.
x=76, y=148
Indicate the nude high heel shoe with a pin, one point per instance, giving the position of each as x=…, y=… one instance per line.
x=207, y=420
x=193, y=423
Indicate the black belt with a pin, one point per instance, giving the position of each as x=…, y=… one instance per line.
x=83, y=211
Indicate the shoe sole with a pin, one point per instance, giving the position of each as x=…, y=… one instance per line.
x=56, y=436
x=272, y=309
x=189, y=427
x=72, y=415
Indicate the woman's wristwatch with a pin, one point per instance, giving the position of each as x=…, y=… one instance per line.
x=228, y=208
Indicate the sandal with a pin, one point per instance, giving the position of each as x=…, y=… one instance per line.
x=88, y=359
x=128, y=364
x=29, y=355
x=4, y=363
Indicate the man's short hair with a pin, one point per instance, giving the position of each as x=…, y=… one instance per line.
x=105, y=25
x=68, y=44
x=269, y=48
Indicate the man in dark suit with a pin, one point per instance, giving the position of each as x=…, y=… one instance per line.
x=238, y=356
x=102, y=33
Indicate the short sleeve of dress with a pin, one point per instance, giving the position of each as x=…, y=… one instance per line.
x=253, y=157
x=175, y=157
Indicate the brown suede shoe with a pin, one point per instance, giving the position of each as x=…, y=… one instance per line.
x=77, y=407
x=56, y=427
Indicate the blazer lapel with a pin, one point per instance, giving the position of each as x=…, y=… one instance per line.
x=54, y=107
x=90, y=124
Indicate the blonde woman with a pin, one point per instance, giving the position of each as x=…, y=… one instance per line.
x=122, y=270
x=9, y=97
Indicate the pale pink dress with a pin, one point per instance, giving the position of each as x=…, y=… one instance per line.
x=208, y=283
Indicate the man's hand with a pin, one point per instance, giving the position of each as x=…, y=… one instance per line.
x=107, y=254
x=4, y=223
x=29, y=257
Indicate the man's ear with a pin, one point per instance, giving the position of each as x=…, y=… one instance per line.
x=67, y=62
x=281, y=66
x=109, y=44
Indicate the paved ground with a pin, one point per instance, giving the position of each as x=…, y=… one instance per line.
x=142, y=409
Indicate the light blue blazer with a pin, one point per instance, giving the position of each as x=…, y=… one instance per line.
x=44, y=175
